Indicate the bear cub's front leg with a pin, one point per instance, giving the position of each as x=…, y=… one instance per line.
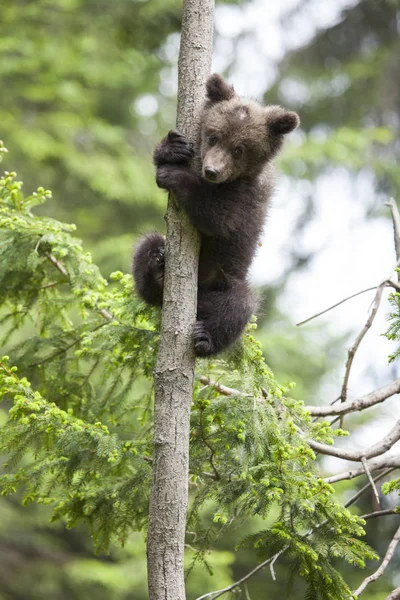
x=172, y=157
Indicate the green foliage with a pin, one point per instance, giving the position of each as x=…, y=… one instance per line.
x=78, y=437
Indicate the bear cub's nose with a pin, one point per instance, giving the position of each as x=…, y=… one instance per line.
x=210, y=173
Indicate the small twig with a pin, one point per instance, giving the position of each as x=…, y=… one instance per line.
x=335, y=305
x=58, y=265
x=218, y=593
x=396, y=227
x=366, y=487
x=379, y=572
x=359, y=338
x=380, y=513
x=271, y=566
x=368, y=474
x=246, y=591
x=50, y=285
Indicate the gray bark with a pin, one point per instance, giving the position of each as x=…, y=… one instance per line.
x=174, y=373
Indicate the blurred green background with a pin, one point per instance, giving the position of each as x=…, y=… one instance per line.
x=87, y=89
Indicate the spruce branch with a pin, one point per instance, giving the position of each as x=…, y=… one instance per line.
x=380, y=571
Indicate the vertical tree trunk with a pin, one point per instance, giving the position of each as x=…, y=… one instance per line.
x=174, y=373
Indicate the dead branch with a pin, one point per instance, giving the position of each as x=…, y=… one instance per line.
x=366, y=487
x=229, y=588
x=395, y=595
x=380, y=513
x=222, y=389
x=379, y=572
x=352, y=351
x=396, y=227
x=372, y=483
x=385, y=462
x=360, y=404
x=357, y=455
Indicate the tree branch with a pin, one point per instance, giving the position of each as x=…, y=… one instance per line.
x=385, y=462
x=229, y=588
x=357, y=455
x=380, y=513
x=395, y=595
x=379, y=572
x=222, y=389
x=360, y=404
x=396, y=227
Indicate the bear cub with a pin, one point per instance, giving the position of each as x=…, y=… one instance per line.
x=227, y=203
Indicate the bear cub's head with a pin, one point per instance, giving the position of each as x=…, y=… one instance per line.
x=238, y=136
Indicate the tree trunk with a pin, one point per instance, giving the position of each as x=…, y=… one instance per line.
x=174, y=373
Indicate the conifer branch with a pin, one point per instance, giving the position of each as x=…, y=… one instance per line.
x=379, y=572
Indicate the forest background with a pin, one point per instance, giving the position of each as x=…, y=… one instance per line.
x=88, y=88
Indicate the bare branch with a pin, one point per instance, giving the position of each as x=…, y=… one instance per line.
x=335, y=305
x=396, y=227
x=229, y=588
x=222, y=389
x=357, y=455
x=380, y=513
x=366, y=487
x=360, y=337
x=362, y=403
x=395, y=595
x=385, y=462
x=379, y=572
x=368, y=474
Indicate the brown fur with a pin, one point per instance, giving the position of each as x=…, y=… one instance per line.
x=227, y=204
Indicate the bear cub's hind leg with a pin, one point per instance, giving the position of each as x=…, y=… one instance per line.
x=148, y=268
x=222, y=316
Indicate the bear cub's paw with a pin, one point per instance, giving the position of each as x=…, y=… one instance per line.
x=203, y=343
x=156, y=258
x=174, y=149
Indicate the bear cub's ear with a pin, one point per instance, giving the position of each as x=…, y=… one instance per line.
x=283, y=121
x=218, y=90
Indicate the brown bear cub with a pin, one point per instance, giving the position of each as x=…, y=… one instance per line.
x=227, y=203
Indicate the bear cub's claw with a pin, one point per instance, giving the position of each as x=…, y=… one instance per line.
x=174, y=149
x=156, y=262
x=203, y=344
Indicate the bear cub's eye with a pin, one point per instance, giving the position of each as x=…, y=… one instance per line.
x=212, y=139
x=238, y=151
